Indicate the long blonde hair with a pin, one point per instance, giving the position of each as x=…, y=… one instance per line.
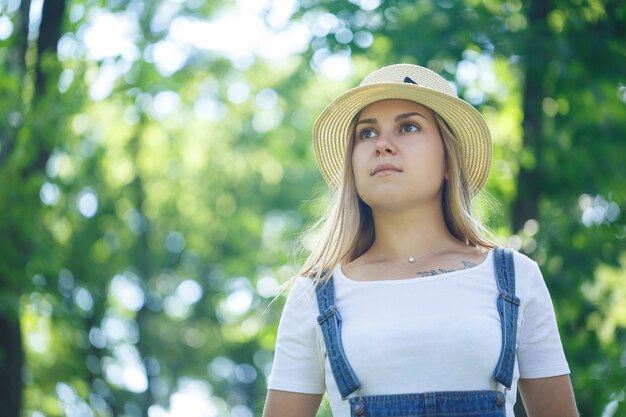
x=347, y=229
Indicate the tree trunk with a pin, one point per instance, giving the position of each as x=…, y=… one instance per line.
x=11, y=363
x=526, y=205
x=12, y=281
x=145, y=265
x=52, y=15
x=17, y=66
x=536, y=59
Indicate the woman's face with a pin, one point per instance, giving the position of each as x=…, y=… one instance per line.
x=398, y=158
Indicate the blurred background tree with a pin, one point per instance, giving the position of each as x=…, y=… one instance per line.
x=156, y=170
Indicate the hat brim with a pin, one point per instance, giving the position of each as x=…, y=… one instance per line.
x=331, y=130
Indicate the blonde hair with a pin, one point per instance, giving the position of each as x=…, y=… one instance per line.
x=347, y=229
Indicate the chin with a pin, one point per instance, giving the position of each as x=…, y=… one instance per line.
x=398, y=199
x=388, y=200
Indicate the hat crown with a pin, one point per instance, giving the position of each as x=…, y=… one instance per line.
x=421, y=76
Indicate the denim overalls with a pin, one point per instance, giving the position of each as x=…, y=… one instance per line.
x=483, y=403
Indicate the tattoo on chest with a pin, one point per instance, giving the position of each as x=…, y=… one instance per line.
x=466, y=264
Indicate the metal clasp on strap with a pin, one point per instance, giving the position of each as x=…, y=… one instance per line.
x=354, y=395
x=327, y=314
x=510, y=298
x=500, y=394
x=357, y=406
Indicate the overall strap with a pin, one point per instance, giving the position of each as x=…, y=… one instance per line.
x=508, y=305
x=330, y=324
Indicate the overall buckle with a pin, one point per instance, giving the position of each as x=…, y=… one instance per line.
x=500, y=394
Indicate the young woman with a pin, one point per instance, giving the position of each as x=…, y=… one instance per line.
x=406, y=307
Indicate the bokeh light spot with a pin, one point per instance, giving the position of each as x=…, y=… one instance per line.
x=49, y=194
x=87, y=202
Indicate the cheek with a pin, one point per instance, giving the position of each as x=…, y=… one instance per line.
x=438, y=158
x=359, y=171
x=444, y=162
x=357, y=164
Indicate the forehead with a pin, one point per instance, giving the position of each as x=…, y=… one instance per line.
x=393, y=107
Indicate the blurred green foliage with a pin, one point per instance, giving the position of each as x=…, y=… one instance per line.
x=156, y=171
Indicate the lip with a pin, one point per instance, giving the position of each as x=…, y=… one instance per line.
x=385, y=168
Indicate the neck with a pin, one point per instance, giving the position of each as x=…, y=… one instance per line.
x=411, y=233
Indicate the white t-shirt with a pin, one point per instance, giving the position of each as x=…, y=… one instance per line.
x=436, y=333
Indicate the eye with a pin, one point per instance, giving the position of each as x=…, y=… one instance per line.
x=366, y=134
x=410, y=128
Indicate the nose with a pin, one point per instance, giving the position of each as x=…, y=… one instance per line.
x=385, y=145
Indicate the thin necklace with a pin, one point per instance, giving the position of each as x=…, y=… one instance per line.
x=412, y=259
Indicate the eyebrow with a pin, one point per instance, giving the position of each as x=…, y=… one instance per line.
x=399, y=117
x=407, y=115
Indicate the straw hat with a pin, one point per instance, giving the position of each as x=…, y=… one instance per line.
x=332, y=129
